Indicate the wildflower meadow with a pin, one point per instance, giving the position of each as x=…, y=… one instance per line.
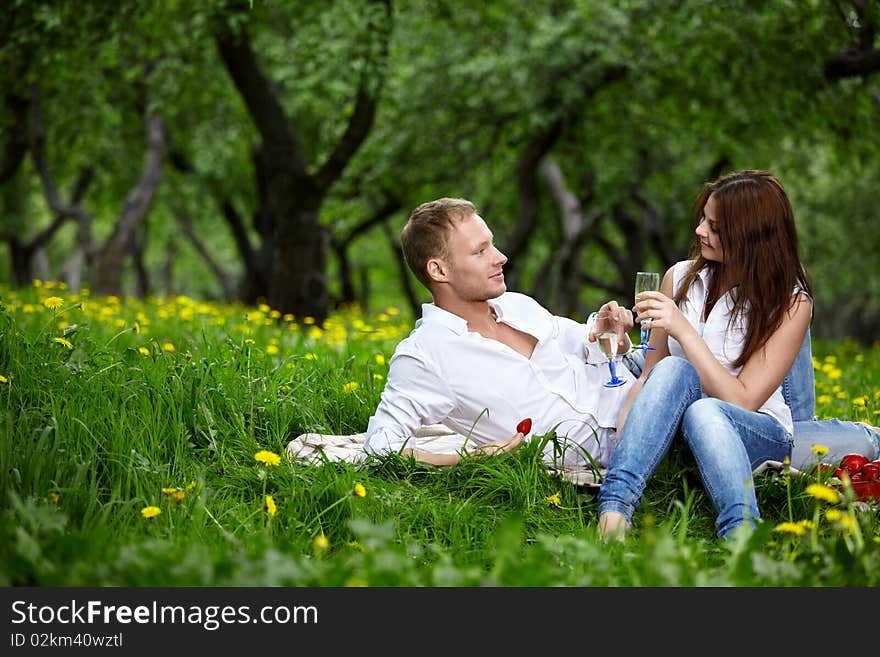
x=143, y=444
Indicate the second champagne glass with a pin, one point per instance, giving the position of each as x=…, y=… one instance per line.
x=602, y=324
x=646, y=281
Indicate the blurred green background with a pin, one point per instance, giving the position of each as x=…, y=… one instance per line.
x=271, y=151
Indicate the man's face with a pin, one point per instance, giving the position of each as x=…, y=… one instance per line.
x=474, y=269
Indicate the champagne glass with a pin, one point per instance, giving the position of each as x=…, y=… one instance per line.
x=646, y=281
x=603, y=326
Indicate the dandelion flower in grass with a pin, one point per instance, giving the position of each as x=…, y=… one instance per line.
x=54, y=497
x=3, y=379
x=190, y=487
x=63, y=341
x=860, y=401
x=320, y=544
x=790, y=528
x=380, y=359
x=267, y=458
x=136, y=327
x=823, y=399
x=819, y=450
x=249, y=342
x=168, y=346
x=178, y=496
x=553, y=500
x=168, y=491
x=143, y=351
x=359, y=490
x=53, y=303
x=272, y=349
x=271, y=509
x=833, y=515
x=822, y=492
x=350, y=387
x=377, y=377
x=150, y=512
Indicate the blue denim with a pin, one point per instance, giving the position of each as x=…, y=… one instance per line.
x=727, y=442
x=798, y=389
x=798, y=386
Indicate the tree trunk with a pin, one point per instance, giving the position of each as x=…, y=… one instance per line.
x=108, y=261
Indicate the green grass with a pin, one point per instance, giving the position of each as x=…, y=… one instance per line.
x=178, y=395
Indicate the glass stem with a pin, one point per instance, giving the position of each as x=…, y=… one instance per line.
x=613, y=371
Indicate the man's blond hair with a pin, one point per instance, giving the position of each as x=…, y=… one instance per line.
x=426, y=233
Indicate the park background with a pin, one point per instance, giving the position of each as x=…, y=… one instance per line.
x=200, y=204
x=271, y=151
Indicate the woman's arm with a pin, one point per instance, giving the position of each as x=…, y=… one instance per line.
x=763, y=372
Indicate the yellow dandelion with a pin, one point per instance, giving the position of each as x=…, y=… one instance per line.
x=168, y=491
x=267, y=458
x=848, y=523
x=136, y=327
x=308, y=320
x=822, y=492
x=271, y=509
x=790, y=528
x=272, y=349
x=553, y=500
x=380, y=359
x=377, y=377
x=3, y=379
x=168, y=346
x=310, y=356
x=53, y=303
x=877, y=539
x=833, y=515
x=190, y=487
x=249, y=342
x=320, y=544
x=359, y=490
x=823, y=399
x=63, y=341
x=55, y=497
x=149, y=512
x=806, y=524
x=143, y=351
x=178, y=496
x=350, y=387
x=819, y=450
x=835, y=374
x=860, y=401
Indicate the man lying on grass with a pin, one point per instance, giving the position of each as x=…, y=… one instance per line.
x=481, y=359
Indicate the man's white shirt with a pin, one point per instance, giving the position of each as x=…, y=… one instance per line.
x=444, y=374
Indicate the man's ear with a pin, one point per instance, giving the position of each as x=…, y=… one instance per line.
x=438, y=270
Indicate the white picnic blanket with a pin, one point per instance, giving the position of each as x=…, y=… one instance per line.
x=318, y=448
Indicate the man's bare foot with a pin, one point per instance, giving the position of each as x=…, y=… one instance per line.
x=613, y=525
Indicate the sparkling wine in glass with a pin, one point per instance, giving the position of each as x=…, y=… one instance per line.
x=602, y=325
x=646, y=281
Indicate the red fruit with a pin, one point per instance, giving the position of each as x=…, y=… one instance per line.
x=871, y=471
x=525, y=426
x=867, y=490
x=852, y=463
x=857, y=477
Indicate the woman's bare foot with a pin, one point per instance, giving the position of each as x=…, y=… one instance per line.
x=613, y=525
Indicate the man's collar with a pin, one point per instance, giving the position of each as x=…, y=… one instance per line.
x=433, y=314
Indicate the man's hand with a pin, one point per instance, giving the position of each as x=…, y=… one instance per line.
x=623, y=323
x=498, y=447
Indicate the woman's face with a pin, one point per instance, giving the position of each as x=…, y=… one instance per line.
x=710, y=240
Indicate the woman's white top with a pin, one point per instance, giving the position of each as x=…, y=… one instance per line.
x=724, y=338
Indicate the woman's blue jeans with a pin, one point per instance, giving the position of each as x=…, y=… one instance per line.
x=727, y=442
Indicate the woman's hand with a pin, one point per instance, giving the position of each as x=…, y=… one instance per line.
x=661, y=312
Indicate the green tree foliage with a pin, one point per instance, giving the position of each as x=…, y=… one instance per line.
x=582, y=129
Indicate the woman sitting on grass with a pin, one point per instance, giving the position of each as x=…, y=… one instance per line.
x=726, y=327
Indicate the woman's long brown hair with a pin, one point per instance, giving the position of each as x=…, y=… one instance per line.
x=761, y=267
